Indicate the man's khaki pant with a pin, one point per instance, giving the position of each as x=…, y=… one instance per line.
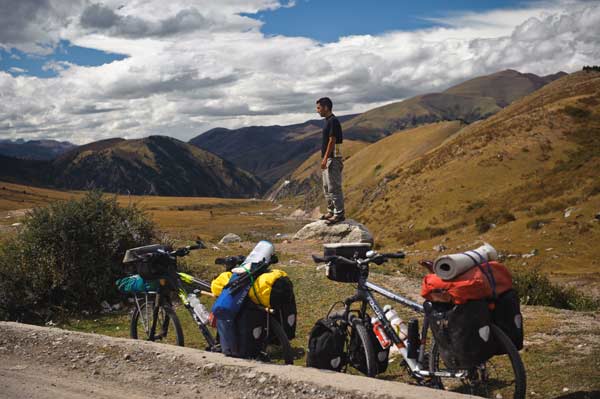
x=332, y=186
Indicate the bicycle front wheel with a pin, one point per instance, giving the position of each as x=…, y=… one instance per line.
x=167, y=327
x=501, y=377
x=362, y=357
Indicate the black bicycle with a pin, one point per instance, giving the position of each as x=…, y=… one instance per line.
x=154, y=317
x=499, y=377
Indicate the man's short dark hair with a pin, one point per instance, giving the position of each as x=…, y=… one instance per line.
x=325, y=102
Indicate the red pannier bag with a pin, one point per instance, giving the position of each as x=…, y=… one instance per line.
x=471, y=285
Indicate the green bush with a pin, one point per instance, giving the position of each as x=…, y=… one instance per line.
x=68, y=256
x=576, y=112
x=535, y=288
x=485, y=222
x=537, y=224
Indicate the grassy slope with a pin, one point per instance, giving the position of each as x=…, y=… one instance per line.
x=532, y=159
x=472, y=100
x=387, y=155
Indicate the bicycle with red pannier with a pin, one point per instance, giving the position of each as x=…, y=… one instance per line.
x=474, y=318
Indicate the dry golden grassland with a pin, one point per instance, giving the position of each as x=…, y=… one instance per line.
x=182, y=218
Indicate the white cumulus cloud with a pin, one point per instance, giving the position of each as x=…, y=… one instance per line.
x=193, y=65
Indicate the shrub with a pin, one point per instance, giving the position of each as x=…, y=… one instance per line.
x=475, y=205
x=535, y=288
x=537, y=224
x=485, y=222
x=68, y=256
x=576, y=112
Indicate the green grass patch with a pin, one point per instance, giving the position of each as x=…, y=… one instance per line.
x=535, y=288
x=486, y=221
x=537, y=224
x=576, y=112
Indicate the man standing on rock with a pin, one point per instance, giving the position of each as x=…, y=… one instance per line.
x=331, y=162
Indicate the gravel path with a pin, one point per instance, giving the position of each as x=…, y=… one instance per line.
x=42, y=363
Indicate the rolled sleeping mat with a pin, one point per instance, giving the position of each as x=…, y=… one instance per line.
x=448, y=267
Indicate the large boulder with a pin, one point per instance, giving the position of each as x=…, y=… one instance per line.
x=230, y=238
x=347, y=231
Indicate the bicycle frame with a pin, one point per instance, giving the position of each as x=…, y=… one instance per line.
x=174, y=281
x=365, y=296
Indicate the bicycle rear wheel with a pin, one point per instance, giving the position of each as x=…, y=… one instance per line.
x=279, y=346
x=168, y=328
x=501, y=377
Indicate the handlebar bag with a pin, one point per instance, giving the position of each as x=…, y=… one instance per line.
x=326, y=345
x=342, y=272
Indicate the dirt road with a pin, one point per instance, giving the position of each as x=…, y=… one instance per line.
x=44, y=363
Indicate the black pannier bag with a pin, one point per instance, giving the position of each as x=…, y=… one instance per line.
x=343, y=272
x=356, y=352
x=326, y=345
x=507, y=316
x=463, y=333
x=283, y=301
x=251, y=330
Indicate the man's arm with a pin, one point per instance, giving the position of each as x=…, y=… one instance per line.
x=330, y=145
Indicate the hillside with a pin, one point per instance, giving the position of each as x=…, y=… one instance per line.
x=34, y=149
x=469, y=101
x=365, y=163
x=274, y=152
x=155, y=165
x=305, y=181
x=269, y=152
x=526, y=178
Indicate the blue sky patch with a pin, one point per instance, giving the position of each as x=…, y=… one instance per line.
x=327, y=21
x=17, y=62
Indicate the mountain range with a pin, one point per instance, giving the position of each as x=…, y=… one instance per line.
x=274, y=152
x=34, y=149
x=154, y=165
x=251, y=160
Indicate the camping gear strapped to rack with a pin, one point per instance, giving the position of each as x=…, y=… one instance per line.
x=465, y=306
x=244, y=294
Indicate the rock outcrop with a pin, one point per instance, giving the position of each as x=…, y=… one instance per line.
x=230, y=238
x=346, y=231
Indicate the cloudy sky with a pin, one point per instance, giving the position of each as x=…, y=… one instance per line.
x=82, y=70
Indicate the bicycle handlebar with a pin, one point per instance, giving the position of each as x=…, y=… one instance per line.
x=394, y=255
x=377, y=258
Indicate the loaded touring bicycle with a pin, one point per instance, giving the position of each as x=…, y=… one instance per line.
x=491, y=368
x=160, y=287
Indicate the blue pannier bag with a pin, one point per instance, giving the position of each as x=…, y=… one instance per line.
x=135, y=283
x=228, y=305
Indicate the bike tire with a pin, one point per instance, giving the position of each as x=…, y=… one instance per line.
x=276, y=330
x=167, y=319
x=516, y=363
x=365, y=341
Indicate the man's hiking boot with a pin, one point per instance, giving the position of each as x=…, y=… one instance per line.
x=326, y=216
x=336, y=219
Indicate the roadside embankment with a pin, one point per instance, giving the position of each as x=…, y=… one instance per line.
x=42, y=363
